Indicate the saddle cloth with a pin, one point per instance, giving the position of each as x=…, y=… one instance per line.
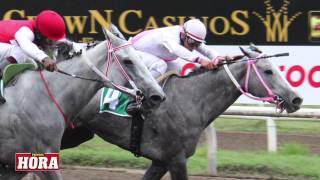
x=114, y=102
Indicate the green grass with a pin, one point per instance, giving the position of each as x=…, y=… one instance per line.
x=294, y=149
x=292, y=161
x=288, y=127
x=99, y=153
x=270, y=164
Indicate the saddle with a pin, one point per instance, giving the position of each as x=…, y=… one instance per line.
x=12, y=71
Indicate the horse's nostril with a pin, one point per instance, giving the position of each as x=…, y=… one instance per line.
x=297, y=101
x=156, y=98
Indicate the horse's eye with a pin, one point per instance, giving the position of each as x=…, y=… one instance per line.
x=269, y=72
x=127, y=61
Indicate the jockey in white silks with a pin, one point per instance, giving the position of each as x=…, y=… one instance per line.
x=167, y=44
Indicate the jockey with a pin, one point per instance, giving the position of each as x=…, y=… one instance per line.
x=169, y=43
x=21, y=41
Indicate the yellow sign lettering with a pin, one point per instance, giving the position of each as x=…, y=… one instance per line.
x=151, y=24
x=76, y=23
x=102, y=21
x=245, y=26
x=169, y=20
x=225, y=22
x=123, y=22
x=8, y=15
x=182, y=19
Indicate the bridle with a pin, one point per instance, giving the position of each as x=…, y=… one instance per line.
x=135, y=92
x=111, y=56
x=251, y=64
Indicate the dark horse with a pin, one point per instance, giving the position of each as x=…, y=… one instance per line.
x=171, y=131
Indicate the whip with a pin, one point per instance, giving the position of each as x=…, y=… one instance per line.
x=234, y=60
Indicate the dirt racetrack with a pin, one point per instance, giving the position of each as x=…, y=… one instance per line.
x=237, y=141
x=92, y=173
x=83, y=173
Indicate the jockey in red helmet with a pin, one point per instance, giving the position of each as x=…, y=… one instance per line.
x=51, y=25
x=21, y=41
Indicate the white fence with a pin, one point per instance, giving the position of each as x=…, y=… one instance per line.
x=258, y=113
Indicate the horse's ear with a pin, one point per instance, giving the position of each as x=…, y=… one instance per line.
x=243, y=51
x=114, y=30
x=252, y=44
x=105, y=32
x=116, y=41
x=253, y=47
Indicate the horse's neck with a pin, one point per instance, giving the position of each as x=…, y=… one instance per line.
x=72, y=94
x=207, y=95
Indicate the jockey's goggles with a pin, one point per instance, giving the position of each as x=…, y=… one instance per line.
x=192, y=43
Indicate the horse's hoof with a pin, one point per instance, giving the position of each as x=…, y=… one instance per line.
x=2, y=100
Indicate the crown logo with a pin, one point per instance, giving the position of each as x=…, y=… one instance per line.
x=277, y=22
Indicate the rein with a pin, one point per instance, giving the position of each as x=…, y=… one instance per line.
x=65, y=117
x=110, y=57
x=79, y=77
x=256, y=58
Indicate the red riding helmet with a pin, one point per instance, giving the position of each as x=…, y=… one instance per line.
x=51, y=25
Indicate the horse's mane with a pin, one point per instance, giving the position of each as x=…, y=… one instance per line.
x=65, y=50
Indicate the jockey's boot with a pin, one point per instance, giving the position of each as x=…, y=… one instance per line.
x=2, y=99
x=133, y=108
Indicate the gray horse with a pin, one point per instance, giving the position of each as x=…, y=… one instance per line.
x=31, y=123
x=171, y=131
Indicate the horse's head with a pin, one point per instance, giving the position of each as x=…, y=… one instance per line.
x=133, y=64
x=268, y=82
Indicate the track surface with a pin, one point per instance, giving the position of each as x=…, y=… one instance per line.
x=231, y=141
x=120, y=174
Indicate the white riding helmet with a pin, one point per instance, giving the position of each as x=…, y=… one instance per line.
x=195, y=29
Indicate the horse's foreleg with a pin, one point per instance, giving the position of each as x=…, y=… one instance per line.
x=50, y=175
x=11, y=174
x=74, y=137
x=178, y=167
x=156, y=171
